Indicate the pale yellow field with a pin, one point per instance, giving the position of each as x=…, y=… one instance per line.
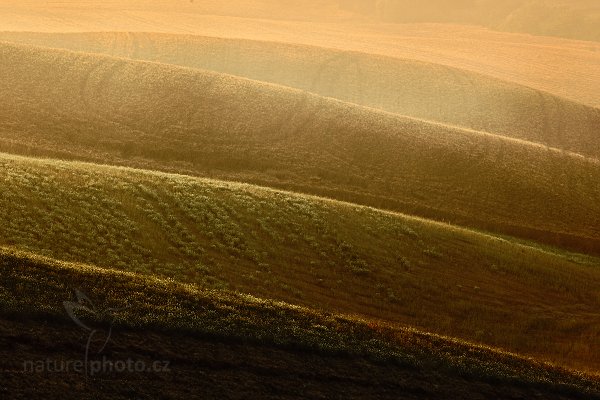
x=406, y=87
x=565, y=67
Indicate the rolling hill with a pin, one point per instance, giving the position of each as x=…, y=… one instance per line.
x=567, y=68
x=233, y=344
x=417, y=89
x=572, y=19
x=285, y=199
x=305, y=250
x=149, y=115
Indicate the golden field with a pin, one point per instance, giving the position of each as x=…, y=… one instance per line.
x=521, y=58
x=405, y=198
x=35, y=284
x=182, y=120
x=404, y=87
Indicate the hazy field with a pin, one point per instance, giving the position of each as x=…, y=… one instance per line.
x=404, y=87
x=524, y=59
x=404, y=198
x=578, y=19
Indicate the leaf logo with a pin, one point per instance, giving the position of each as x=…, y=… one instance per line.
x=84, y=303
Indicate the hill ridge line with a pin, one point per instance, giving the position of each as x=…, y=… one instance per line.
x=289, y=89
x=192, y=287
x=298, y=45
x=244, y=186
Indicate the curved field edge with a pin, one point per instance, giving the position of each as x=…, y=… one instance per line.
x=162, y=117
x=306, y=250
x=35, y=287
x=405, y=87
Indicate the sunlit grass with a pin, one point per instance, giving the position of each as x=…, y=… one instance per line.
x=305, y=250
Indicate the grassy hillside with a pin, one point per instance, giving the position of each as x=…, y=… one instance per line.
x=161, y=305
x=300, y=199
x=162, y=117
x=406, y=87
x=309, y=251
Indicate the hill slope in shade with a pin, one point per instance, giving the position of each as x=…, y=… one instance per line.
x=211, y=326
x=305, y=250
x=406, y=87
x=161, y=117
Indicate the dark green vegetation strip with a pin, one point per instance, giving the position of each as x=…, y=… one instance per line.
x=36, y=287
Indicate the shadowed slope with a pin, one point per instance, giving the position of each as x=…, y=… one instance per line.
x=156, y=116
x=406, y=87
x=215, y=339
x=305, y=250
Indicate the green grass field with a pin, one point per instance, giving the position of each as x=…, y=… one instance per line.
x=304, y=250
